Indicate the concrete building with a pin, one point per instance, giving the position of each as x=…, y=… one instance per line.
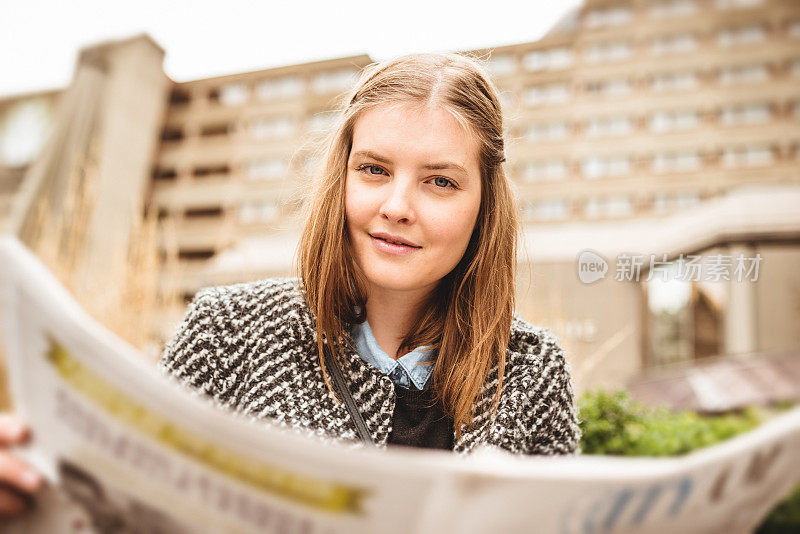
x=642, y=134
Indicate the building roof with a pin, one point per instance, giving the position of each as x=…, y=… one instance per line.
x=723, y=384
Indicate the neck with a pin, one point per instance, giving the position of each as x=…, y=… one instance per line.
x=390, y=314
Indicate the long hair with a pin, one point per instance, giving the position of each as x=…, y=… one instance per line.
x=468, y=317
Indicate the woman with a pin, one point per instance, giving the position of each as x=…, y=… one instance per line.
x=407, y=265
x=400, y=329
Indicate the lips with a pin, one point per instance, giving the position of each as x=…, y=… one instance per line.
x=394, y=239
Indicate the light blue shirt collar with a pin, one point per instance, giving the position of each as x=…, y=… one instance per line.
x=414, y=368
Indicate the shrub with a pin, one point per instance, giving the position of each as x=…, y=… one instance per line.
x=612, y=423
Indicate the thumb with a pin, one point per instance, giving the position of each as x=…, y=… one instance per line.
x=13, y=429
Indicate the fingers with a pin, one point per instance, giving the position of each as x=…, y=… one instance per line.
x=17, y=475
x=13, y=430
x=11, y=504
x=17, y=479
x=17, y=482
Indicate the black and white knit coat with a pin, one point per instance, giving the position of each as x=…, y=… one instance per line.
x=252, y=348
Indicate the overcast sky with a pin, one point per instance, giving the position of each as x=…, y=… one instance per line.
x=39, y=40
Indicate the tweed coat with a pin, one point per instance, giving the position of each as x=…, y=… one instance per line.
x=251, y=348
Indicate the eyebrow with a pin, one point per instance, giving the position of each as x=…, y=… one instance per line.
x=438, y=166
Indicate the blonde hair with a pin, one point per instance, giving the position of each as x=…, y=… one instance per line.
x=468, y=318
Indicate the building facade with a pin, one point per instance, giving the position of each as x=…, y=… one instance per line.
x=627, y=125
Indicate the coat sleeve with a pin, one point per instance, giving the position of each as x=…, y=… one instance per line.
x=196, y=353
x=551, y=413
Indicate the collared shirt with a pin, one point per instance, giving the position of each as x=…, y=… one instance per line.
x=414, y=368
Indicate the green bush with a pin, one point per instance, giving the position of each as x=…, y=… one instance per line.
x=614, y=424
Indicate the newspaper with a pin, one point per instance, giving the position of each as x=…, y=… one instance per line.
x=125, y=450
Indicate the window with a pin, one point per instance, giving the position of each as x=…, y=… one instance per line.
x=272, y=127
x=172, y=133
x=755, y=156
x=321, y=121
x=749, y=114
x=258, y=211
x=334, y=81
x=267, y=169
x=551, y=131
x=743, y=74
x=213, y=130
x=608, y=126
x=552, y=59
x=179, y=97
x=665, y=202
x=737, y=4
x=679, y=81
x=164, y=173
x=607, y=52
x=233, y=95
x=595, y=167
x=502, y=64
x=672, y=121
x=195, y=255
x=546, y=94
x=549, y=170
x=210, y=212
x=667, y=162
x=673, y=44
x=24, y=129
x=610, y=88
x=608, y=207
x=506, y=99
x=547, y=209
x=210, y=170
x=280, y=88
x=672, y=8
x=614, y=16
x=746, y=35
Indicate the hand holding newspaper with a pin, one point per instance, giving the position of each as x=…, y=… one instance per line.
x=127, y=451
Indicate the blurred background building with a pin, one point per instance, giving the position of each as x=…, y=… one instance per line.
x=644, y=136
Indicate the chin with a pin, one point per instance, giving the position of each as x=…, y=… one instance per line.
x=396, y=282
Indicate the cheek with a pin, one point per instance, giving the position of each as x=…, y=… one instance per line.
x=452, y=229
x=355, y=204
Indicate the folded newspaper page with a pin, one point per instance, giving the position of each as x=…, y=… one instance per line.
x=125, y=450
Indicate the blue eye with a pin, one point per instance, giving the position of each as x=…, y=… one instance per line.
x=371, y=169
x=441, y=181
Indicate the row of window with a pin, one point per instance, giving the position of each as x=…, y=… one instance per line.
x=282, y=127
x=560, y=58
x=339, y=80
x=279, y=88
x=663, y=121
x=612, y=206
x=561, y=92
x=657, y=9
x=596, y=167
x=260, y=169
x=274, y=127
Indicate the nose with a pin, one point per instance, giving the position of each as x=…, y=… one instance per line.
x=398, y=204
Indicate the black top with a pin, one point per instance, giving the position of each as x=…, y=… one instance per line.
x=418, y=421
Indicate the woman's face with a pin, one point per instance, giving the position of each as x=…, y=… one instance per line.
x=412, y=175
